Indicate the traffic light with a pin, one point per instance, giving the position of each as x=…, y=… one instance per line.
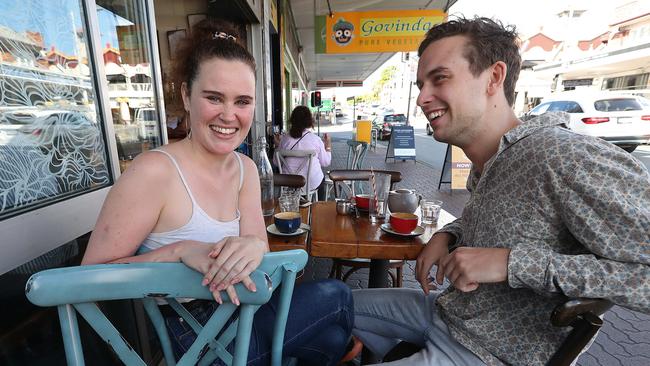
x=315, y=99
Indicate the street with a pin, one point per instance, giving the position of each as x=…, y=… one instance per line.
x=429, y=151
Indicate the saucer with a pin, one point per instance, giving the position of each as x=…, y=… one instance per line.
x=274, y=230
x=419, y=230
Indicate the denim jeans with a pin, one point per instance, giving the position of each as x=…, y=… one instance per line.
x=317, y=332
x=383, y=317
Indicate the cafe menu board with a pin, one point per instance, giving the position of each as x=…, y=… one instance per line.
x=402, y=143
x=460, y=168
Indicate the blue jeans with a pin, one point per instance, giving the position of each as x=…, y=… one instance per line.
x=383, y=317
x=317, y=332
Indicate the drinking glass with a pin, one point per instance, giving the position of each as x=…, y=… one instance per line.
x=379, y=188
x=289, y=201
x=430, y=210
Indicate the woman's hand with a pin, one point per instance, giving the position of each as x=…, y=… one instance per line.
x=205, y=258
x=327, y=141
x=234, y=259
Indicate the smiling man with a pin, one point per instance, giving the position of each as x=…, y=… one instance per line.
x=552, y=215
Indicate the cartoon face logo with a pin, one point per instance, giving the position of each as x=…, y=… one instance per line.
x=343, y=32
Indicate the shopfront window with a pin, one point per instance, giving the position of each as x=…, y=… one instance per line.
x=51, y=141
x=127, y=61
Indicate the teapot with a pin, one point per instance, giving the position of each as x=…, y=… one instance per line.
x=403, y=200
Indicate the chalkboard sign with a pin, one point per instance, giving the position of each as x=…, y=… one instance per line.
x=401, y=145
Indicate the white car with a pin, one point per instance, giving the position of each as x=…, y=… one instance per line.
x=620, y=118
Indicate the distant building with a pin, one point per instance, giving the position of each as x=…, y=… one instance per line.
x=594, y=49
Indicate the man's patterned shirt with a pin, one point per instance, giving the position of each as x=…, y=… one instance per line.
x=575, y=212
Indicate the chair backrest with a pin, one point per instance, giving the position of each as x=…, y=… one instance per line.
x=356, y=154
x=77, y=289
x=296, y=162
x=339, y=177
x=288, y=180
x=583, y=315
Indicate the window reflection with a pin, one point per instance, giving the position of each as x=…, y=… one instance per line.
x=129, y=74
x=51, y=143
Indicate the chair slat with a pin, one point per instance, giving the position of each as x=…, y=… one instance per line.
x=107, y=331
x=70, y=331
x=151, y=308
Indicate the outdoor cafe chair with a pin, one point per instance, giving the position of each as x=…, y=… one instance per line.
x=356, y=154
x=79, y=288
x=340, y=177
x=583, y=315
x=289, y=180
x=304, y=168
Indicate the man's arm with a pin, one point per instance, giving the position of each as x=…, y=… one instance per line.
x=605, y=204
x=455, y=228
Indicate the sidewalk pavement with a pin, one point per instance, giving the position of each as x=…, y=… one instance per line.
x=625, y=336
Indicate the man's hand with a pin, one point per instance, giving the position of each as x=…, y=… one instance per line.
x=466, y=267
x=433, y=253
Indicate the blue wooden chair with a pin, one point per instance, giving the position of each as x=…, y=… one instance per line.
x=77, y=289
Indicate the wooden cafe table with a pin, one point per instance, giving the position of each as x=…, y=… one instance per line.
x=346, y=236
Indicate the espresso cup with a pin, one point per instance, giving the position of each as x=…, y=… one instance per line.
x=403, y=222
x=287, y=222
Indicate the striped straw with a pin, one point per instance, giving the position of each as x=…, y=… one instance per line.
x=374, y=191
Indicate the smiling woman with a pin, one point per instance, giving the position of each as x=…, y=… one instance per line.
x=197, y=201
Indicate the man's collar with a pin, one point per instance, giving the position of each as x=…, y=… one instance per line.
x=526, y=128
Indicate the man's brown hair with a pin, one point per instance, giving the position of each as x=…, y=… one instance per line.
x=488, y=41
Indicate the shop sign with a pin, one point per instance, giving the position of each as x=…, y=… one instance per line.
x=374, y=31
x=577, y=82
x=460, y=168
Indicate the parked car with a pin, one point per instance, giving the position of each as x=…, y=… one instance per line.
x=385, y=124
x=622, y=119
x=339, y=112
x=147, y=120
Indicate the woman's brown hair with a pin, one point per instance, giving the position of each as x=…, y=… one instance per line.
x=210, y=38
x=300, y=120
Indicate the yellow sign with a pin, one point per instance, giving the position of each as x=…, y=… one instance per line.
x=378, y=31
x=460, y=168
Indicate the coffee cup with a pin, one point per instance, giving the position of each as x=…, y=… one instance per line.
x=403, y=222
x=362, y=201
x=287, y=222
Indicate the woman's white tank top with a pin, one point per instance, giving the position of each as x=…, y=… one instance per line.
x=200, y=227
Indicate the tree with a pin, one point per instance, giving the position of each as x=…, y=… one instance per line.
x=386, y=76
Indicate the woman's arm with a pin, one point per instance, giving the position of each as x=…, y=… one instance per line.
x=129, y=214
x=237, y=257
x=324, y=150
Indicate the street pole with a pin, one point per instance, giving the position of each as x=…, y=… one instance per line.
x=408, y=107
x=318, y=119
x=354, y=108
